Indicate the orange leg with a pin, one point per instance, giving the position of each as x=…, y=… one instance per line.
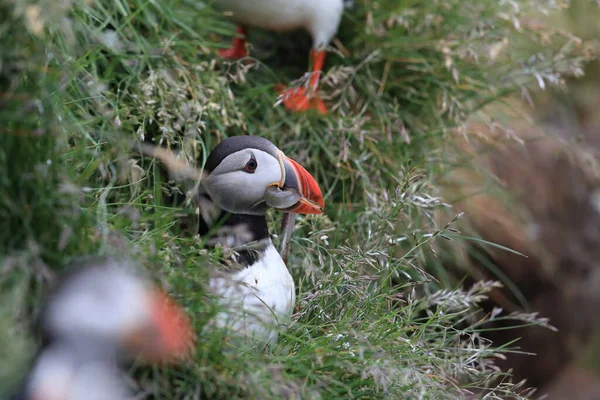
x=238, y=46
x=303, y=99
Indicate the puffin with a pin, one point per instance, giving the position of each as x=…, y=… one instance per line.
x=101, y=314
x=244, y=177
x=321, y=18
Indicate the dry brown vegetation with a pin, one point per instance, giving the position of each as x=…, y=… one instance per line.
x=537, y=194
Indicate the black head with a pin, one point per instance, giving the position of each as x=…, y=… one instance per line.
x=237, y=143
x=249, y=174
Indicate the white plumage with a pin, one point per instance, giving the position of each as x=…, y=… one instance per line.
x=259, y=299
x=320, y=18
x=77, y=371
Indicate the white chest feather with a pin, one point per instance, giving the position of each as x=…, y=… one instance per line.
x=259, y=299
x=57, y=375
x=320, y=18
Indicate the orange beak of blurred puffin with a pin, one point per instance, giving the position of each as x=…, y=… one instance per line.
x=295, y=177
x=168, y=336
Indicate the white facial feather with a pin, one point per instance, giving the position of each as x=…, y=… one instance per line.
x=238, y=191
x=103, y=301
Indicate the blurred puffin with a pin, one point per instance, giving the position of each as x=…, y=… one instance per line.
x=97, y=317
x=245, y=176
x=321, y=18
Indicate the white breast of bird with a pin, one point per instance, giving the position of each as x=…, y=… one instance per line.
x=63, y=372
x=259, y=300
x=319, y=17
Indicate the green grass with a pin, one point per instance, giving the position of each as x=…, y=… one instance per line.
x=82, y=79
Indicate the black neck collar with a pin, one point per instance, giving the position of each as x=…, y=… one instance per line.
x=247, y=235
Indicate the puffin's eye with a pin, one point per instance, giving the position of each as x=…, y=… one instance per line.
x=251, y=165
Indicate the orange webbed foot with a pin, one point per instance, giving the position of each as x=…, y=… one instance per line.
x=233, y=53
x=238, y=46
x=301, y=99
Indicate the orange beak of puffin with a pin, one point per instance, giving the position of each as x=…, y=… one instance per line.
x=295, y=177
x=168, y=336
